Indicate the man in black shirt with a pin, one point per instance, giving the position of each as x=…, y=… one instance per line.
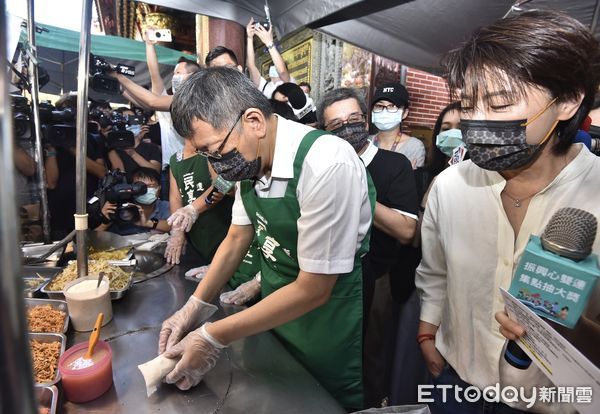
x=342, y=112
x=60, y=178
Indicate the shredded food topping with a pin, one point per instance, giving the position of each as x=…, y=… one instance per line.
x=45, y=318
x=45, y=360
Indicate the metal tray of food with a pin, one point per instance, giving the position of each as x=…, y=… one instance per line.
x=32, y=286
x=47, y=398
x=61, y=305
x=45, y=338
x=114, y=294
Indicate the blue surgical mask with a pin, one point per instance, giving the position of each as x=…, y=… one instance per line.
x=148, y=198
x=385, y=121
x=448, y=140
x=135, y=129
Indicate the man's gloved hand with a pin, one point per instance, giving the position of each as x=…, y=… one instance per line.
x=189, y=317
x=199, y=353
x=244, y=293
x=197, y=272
x=175, y=246
x=184, y=218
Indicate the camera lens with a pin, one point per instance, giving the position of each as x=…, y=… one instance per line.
x=158, y=35
x=128, y=214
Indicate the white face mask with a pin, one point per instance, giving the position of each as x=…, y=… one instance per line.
x=384, y=120
x=176, y=82
x=273, y=72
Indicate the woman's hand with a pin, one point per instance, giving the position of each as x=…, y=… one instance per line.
x=509, y=328
x=434, y=360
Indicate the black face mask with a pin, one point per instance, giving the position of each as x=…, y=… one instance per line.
x=355, y=134
x=501, y=145
x=234, y=167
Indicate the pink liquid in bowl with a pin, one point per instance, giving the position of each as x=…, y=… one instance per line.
x=83, y=382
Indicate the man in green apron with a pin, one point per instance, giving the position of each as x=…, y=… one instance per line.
x=310, y=207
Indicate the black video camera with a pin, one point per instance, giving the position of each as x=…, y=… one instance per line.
x=58, y=126
x=114, y=189
x=100, y=81
x=119, y=137
x=22, y=119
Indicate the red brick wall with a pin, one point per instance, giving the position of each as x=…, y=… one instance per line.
x=428, y=96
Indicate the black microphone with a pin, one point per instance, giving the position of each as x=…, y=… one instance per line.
x=564, y=248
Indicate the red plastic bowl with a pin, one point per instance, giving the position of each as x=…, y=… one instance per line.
x=86, y=384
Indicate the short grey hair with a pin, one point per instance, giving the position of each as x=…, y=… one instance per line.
x=336, y=95
x=217, y=96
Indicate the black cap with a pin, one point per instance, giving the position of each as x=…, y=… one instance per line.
x=393, y=92
x=295, y=95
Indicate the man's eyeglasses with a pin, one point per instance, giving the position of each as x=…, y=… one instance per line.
x=217, y=154
x=337, y=123
x=390, y=108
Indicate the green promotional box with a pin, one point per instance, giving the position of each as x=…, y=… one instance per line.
x=554, y=287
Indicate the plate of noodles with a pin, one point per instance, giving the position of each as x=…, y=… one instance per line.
x=120, y=280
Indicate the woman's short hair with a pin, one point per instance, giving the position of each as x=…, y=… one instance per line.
x=545, y=49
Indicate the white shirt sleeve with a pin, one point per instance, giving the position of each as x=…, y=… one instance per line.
x=239, y=216
x=431, y=273
x=332, y=218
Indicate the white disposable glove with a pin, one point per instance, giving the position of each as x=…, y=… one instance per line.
x=184, y=218
x=199, y=353
x=242, y=294
x=189, y=317
x=175, y=246
x=197, y=272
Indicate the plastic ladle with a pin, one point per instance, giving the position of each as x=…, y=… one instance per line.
x=94, y=336
x=86, y=360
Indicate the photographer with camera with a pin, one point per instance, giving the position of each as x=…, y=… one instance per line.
x=152, y=212
x=136, y=154
x=59, y=162
x=278, y=72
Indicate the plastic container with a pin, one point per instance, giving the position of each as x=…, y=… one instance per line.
x=86, y=384
x=85, y=302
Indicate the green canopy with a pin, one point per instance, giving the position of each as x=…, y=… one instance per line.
x=105, y=46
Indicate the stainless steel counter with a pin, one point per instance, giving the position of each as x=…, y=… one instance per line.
x=254, y=375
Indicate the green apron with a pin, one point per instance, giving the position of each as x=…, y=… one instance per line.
x=327, y=340
x=249, y=267
x=209, y=230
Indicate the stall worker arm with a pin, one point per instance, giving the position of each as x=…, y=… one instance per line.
x=175, y=201
x=144, y=96
x=252, y=69
x=399, y=218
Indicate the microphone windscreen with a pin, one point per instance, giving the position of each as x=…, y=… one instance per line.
x=570, y=233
